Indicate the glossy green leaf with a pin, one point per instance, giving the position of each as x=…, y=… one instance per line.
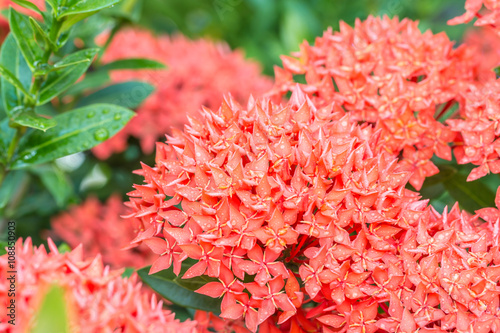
x=6, y=136
x=182, y=313
x=31, y=119
x=76, y=58
x=27, y=4
x=11, y=183
x=54, y=4
x=72, y=7
x=40, y=33
x=133, y=63
x=12, y=79
x=77, y=130
x=128, y=272
x=25, y=37
x=60, y=80
x=12, y=60
x=74, y=19
x=55, y=181
x=179, y=291
x=129, y=10
x=52, y=315
x=127, y=94
x=471, y=196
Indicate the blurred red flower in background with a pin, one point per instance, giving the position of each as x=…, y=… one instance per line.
x=101, y=230
x=4, y=22
x=199, y=72
x=487, y=43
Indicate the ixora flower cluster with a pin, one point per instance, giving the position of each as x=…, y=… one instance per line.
x=307, y=225
x=487, y=13
x=100, y=299
x=101, y=230
x=387, y=73
x=199, y=73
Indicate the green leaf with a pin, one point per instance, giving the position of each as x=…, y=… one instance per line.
x=129, y=10
x=6, y=136
x=9, y=186
x=31, y=119
x=181, y=313
x=471, y=196
x=12, y=79
x=52, y=315
x=56, y=181
x=179, y=291
x=73, y=7
x=12, y=60
x=64, y=248
x=91, y=80
x=128, y=272
x=61, y=79
x=25, y=37
x=127, y=94
x=3, y=245
x=133, y=63
x=77, y=130
x=27, y=4
x=54, y=4
x=40, y=33
x=74, y=19
x=75, y=59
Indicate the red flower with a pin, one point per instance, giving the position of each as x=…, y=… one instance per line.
x=181, y=89
x=98, y=299
x=304, y=202
x=101, y=229
x=387, y=73
x=473, y=8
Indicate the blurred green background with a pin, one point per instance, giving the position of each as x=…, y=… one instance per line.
x=264, y=29
x=267, y=28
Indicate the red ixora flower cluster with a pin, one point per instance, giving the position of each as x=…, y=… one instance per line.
x=487, y=13
x=308, y=227
x=101, y=230
x=487, y=44
x=199, y=72
x=387, y=73
x=479, y=128
x=100, y=300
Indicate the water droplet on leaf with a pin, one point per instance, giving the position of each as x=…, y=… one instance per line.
x=101, y=134
x=90, y=114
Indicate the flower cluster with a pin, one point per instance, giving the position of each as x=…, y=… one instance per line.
x=487, y=44
x=387, y=73
x=101, y=300
x=479, y=140
x=490, y=16
x=198, y=73
x=101, y=230
x=300, y=200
